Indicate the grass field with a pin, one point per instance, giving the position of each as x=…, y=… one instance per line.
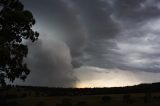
x=96, y=100
x=36, y=96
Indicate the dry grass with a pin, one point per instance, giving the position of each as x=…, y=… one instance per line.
x=117, y=100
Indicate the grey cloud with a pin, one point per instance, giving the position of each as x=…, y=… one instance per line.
x=103, y=51
x=50, y=64
x=96, y=15
x=136, y=11
x=57, y=14
x=140, y=49
x=109, y=34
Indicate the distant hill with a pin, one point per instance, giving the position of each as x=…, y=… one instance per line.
x=49, y=91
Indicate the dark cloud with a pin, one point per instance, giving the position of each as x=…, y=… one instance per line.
x=124, y=46
x=50, y=64
x=136, y=11
x=58, y=15
x=96, y=15
x=111, y=34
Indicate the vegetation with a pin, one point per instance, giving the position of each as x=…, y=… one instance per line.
x=15, y=27
x=140, y=95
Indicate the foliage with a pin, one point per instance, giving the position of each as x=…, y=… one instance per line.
x=15, y=29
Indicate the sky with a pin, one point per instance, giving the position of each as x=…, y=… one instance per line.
x=94, y=43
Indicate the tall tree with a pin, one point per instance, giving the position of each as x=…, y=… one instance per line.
x=15, y=28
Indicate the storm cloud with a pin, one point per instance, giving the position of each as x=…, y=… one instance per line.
x=107, y=34
x=48, y=69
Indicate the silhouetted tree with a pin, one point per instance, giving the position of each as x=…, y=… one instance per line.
x=15, y=29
